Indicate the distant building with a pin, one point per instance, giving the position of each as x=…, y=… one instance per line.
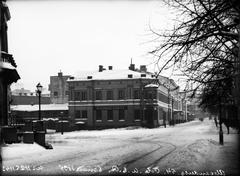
x=115, y=98
x=26, y=97
x=8, y=72
x=21, y=92
x=58, y=88
x=23, y=113
x=28, y=100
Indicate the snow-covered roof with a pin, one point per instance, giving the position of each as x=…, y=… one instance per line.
x=7, y=65
x=44, y=107
x=53, y=119
x=109, y=75
x=152, y=86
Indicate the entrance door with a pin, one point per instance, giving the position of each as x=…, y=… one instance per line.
x=149, y=117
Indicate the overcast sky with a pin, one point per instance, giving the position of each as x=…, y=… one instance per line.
x=48, y=36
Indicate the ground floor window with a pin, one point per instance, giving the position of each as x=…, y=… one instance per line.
x=77, y=114
x=110, y=115
x=98, y=115
x=137, y=114
x=84, y=114
x=121, y=114
x=81, y=114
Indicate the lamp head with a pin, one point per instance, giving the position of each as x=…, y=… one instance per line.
x=39, y=87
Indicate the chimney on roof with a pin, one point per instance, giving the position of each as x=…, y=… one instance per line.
x=143, y=68
x=100, y=68
x=130, y=76
x=60, y=74
x=132, y=66
x=89, y=77
x=110, y=67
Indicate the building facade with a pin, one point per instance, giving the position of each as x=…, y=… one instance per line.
x=8, y=72
x=24, y=113
x=28, y=100
x=117, y=98
x=58, y=88
x=26, y=97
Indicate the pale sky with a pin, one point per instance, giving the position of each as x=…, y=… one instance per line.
x=48, y=36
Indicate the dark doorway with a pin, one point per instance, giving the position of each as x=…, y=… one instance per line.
x=149, y=117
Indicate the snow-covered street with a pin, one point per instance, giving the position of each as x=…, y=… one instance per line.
x=184, y=148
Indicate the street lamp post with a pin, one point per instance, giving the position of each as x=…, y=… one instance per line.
x=62, y=122
x=39, y=91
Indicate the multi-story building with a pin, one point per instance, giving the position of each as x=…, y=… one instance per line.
x=8, y=72
x=58, y=88
x=114, y=98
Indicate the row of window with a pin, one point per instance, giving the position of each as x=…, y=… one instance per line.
x=99, y=114
x=99, y=95
x=100, y=83
x=166, y=99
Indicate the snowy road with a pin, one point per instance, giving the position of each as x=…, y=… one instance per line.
x=187, y=147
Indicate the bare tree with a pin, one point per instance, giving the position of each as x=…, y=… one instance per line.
x=204, y=45
x=207, y=34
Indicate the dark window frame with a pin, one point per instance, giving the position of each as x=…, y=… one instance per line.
x=136, y=94
x=55, y=93
x=98, y=95
x=109, y=95
x=110, y=115
x=121, y=115
x=78, y=114
x=77, y=96
x=121, y=94
x=84, y=95
x=84, y=114
x=137, y=114
x=98, y=115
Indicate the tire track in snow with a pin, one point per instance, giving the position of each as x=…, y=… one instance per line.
x=147, y=159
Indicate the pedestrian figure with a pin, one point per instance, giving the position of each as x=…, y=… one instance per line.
x=216, y=122
x=227, y=124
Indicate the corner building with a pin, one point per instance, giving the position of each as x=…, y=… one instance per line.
x=117, y=98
